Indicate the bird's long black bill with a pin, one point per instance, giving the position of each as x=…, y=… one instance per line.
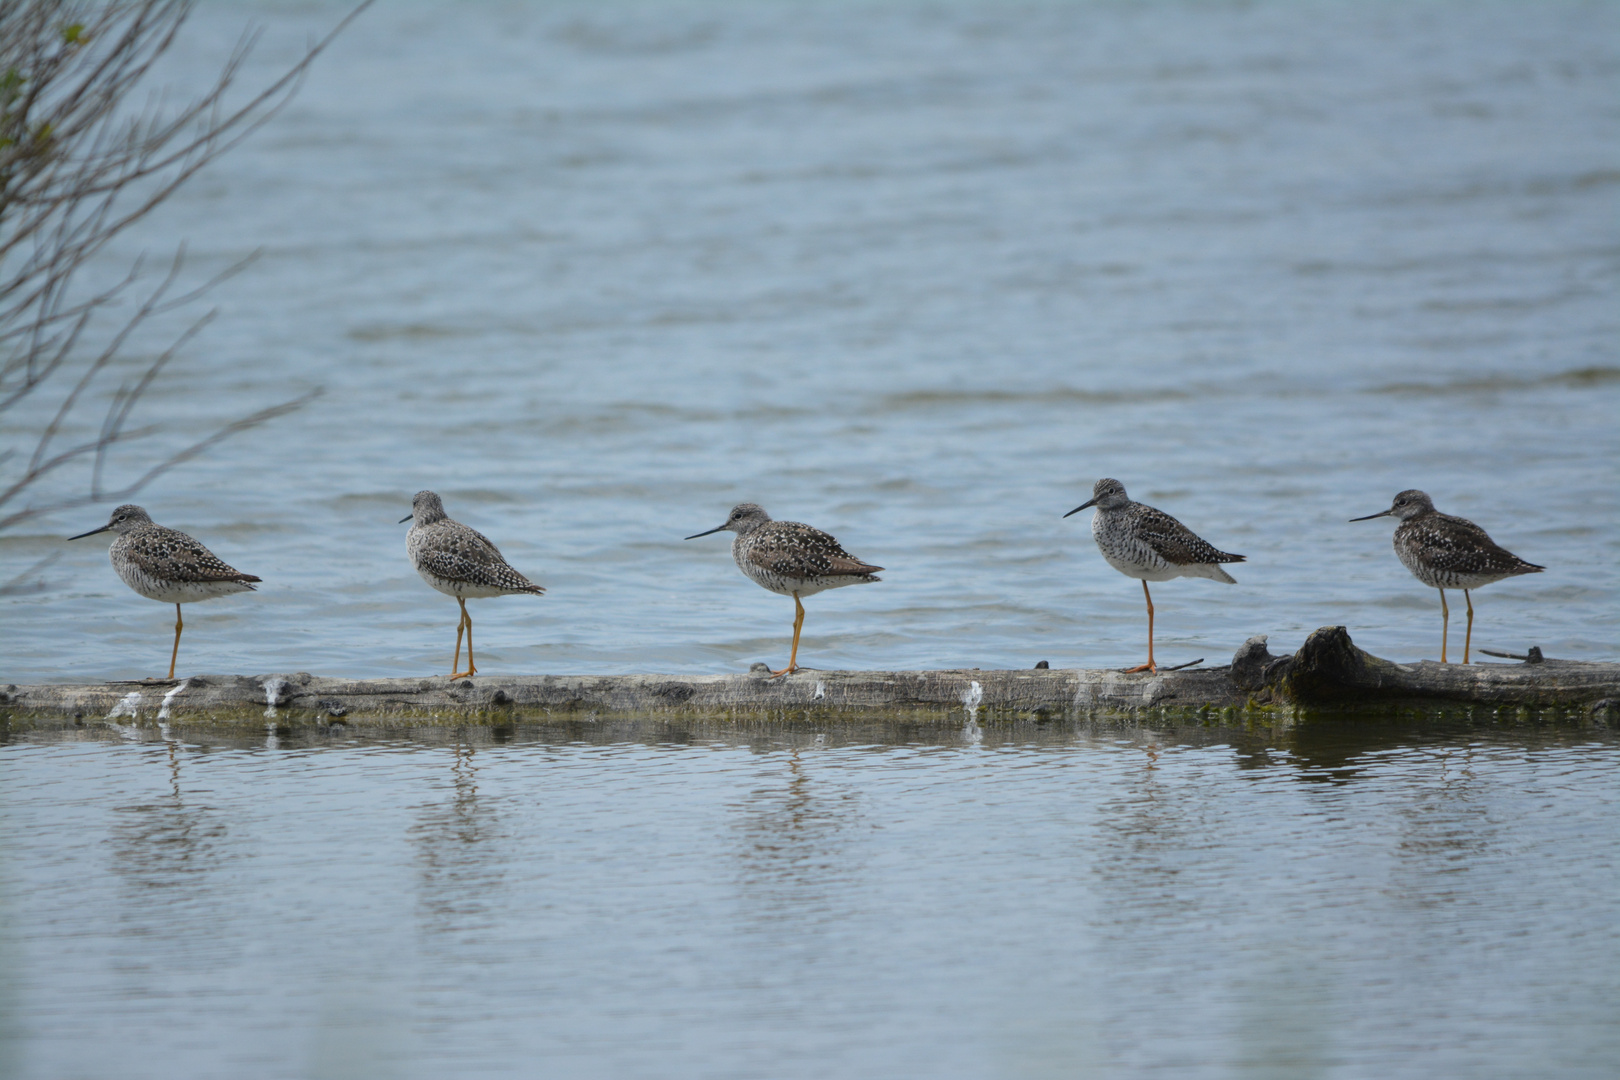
x=716, y=529
x=92, y=532
x=1381, y=513
x=1082, y=506
x=406, y=518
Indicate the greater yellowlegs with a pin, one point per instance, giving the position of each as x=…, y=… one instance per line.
x=791, y=559
x=1446, y=552
x=1150, y=545
x=167, y=565
x=458, y=561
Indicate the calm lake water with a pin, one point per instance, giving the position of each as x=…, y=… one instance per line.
x=915, y=273
x=1335, y=900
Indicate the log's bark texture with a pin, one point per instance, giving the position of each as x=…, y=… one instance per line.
x=1329, y=671
x=1042, y=690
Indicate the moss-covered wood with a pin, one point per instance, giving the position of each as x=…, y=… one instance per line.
x=1328, y=671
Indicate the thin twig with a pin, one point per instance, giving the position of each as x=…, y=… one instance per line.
x=21, y=586
x=77, y=168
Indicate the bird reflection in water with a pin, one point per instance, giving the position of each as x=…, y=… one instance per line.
x=167, y=843
x=1148, y=826
x=460, y=868
x=797, y=844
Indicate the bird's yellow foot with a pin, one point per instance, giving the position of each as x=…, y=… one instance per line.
x=469, y=673
x=790, y=669
x=1149, y=666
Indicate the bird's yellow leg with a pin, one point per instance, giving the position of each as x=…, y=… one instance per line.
x=467, y=621
x=461, y=622
x=1150, y=665
x=1445, y=625
x=1468, y=639
x=175, y=652
x=798, y=623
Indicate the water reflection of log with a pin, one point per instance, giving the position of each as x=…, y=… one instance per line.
x=1328, y=672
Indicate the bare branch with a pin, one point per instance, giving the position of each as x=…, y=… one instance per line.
x=118, y=494
x=30, y=580
x=80, y=163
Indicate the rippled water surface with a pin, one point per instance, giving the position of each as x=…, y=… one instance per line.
x=915, y=273
x=1337, y=899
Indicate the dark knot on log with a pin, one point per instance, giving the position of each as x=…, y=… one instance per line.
x=674, y=692
x=1324, y=668
x=1251, y=663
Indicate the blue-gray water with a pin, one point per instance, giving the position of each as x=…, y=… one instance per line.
x=915, y=273
x=1341, y=900
x=918, y=274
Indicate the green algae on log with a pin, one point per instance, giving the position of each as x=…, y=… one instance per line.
x=1329, y=671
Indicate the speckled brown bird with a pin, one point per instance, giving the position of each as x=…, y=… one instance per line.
x=167, y=565
x=790, y=558
x=1446, y=552
x=459, y=561
x=1149, y=545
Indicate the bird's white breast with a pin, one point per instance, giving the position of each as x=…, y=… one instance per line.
x=464, y=589
x=175, y=592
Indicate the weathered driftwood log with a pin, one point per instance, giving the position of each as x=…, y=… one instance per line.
x=1035, y=690
x=1328, y=671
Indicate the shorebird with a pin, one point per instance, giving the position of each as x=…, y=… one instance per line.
x=1446, y=552
x=789, y=558
x=167, y=565
x=458, y=561
x=1150, y=545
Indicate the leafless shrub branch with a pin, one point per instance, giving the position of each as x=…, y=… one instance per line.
x=79, y=164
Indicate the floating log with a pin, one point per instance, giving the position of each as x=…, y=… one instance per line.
x=1328, y=672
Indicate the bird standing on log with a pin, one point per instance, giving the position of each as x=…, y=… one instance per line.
x=458, y=561
x=790, y=558
x=167, y=565
x=1446, y=552
x=1149, y=545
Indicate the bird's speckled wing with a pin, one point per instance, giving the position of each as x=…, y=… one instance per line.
x=794, y=550
x=181, y=557
x=455, y=552
x=1176, y=543
x=1457, y=546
